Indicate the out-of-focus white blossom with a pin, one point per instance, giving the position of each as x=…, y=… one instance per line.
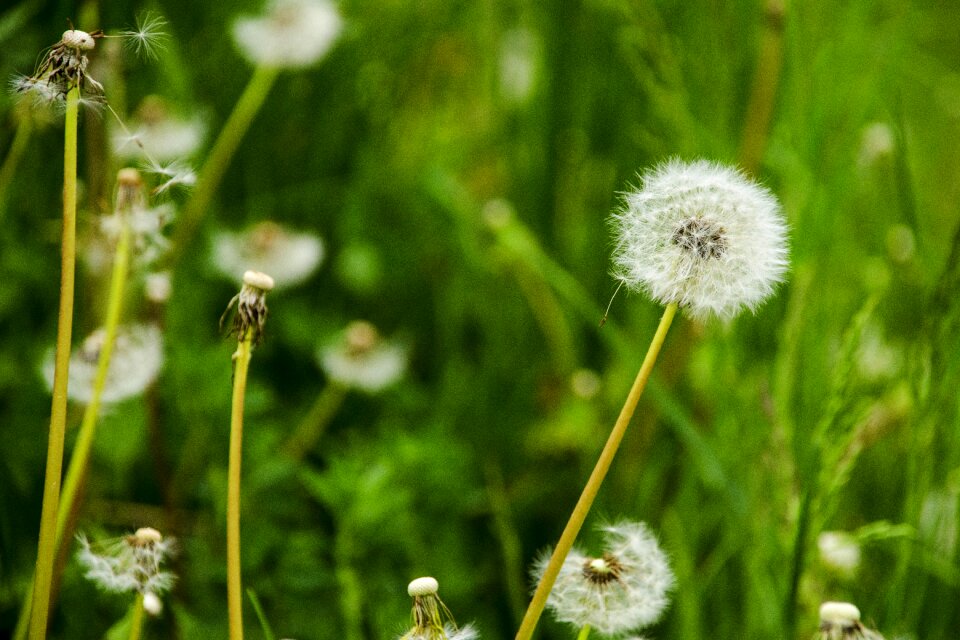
x=155, y=133
x=289, y=257
x=361, y=358
x=839, y=551
x=292, y=33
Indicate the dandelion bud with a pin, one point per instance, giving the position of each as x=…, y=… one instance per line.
x=620, y=591
x=431, y=618
x=251, y=311
x=841, y=621
x=702, y=236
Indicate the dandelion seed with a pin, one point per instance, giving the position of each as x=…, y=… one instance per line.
x=135, y=364
x=294, y=33
x=703, y=236
x=149, y=37
x=841, y=621
x=431, y=618
x=290, y=258
x=251, y=303
x=360, y=358
x=176, y=173
x=622, y=590
x=130, y=564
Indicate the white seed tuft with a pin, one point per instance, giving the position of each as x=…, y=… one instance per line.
x=703, y=236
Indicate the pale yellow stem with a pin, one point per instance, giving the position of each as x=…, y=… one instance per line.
x=241, y=361
x=136, y=623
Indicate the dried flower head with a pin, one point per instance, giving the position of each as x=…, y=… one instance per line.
x=269, y=247
x=134, y=365
x=251, y=312
x=431, y=618
x=841, y=621
x=293, y=33
x=361, y=358
x=156, y=133
x=62, y=68
x=700, y=235
x=623, y=589
x=130, y=564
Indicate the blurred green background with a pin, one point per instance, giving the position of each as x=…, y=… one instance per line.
x=835, y=406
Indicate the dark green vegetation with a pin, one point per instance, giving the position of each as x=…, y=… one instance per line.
x=833, y=408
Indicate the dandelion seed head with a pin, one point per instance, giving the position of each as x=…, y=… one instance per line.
x=360, y=358
x=132, y=563
x=288, y=256
x=292, y=34
x=251, y=311
x=700, y=235
x=159, y=134
x=622, y=590
x=134, y=364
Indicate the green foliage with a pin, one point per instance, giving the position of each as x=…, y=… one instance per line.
x=833, y=408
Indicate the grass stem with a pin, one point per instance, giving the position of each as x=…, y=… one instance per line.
x=582, y=508
x=46, y=547
x=241, y=360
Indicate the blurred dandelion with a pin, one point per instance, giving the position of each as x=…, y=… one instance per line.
x=700, y=235
x=431, y=618
x=293, y=33
x=290, y=258
x=839, y=551
x=622, y=590
x=132, y=563
x=841, y=621
x=136, y=361
x=360, y=358
x=158, y=133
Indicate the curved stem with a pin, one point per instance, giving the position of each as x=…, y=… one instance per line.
x=223, y=149
x=58, y=413
x=310, y=430
x=241, y=359
x=10, y=163
x=580, y=511
x=136, y=623
x=584, y=632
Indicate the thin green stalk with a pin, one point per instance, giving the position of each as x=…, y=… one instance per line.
x=308, y=433
x=46, y=547
x=766, y=80
x=223, y=149
x=580, y=511
x=10, y=163
x=136, y=622
x=584, y=633
x=241, y=359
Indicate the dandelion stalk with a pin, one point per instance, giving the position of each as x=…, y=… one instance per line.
x=46, y=548
x=251, y=313
x=10, y=163
x=241, y=359
x=305, y=437
x=136, y=621
x=584, y=632
x=223, y=150
x=763, y=93
x=580, y=511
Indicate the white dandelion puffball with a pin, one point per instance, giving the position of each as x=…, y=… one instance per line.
x=158, y=134
x=703, y=236
x=289, y=257
x=292, y=34
x=132, y=563
x=360, y=358
x=622, y=590
x=134, y=364
x=839, y=551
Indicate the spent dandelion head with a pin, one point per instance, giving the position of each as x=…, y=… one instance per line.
x=292, y=33
x=133, y=563
x=136, y=361
x=621, y=590
x=431, y=618
x=250, y=314
x=841, y=621
x=360, y=358
x=702, y=236
x=289, y=257
x=62, y=68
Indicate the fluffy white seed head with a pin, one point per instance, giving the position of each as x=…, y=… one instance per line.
x=701, y=235
x=159, y=134
x=132, y=563
x=134, y=364
x=293, y=33
x=288, y=256
x=622, y=590
x=422, y=587
x=360, y=358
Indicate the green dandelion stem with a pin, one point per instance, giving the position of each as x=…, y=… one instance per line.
x=136, y=621
x=46, y=547
x=241, y=359
x=308, y=433
x=223, y=150
x=584, y=632
x=580, y=511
